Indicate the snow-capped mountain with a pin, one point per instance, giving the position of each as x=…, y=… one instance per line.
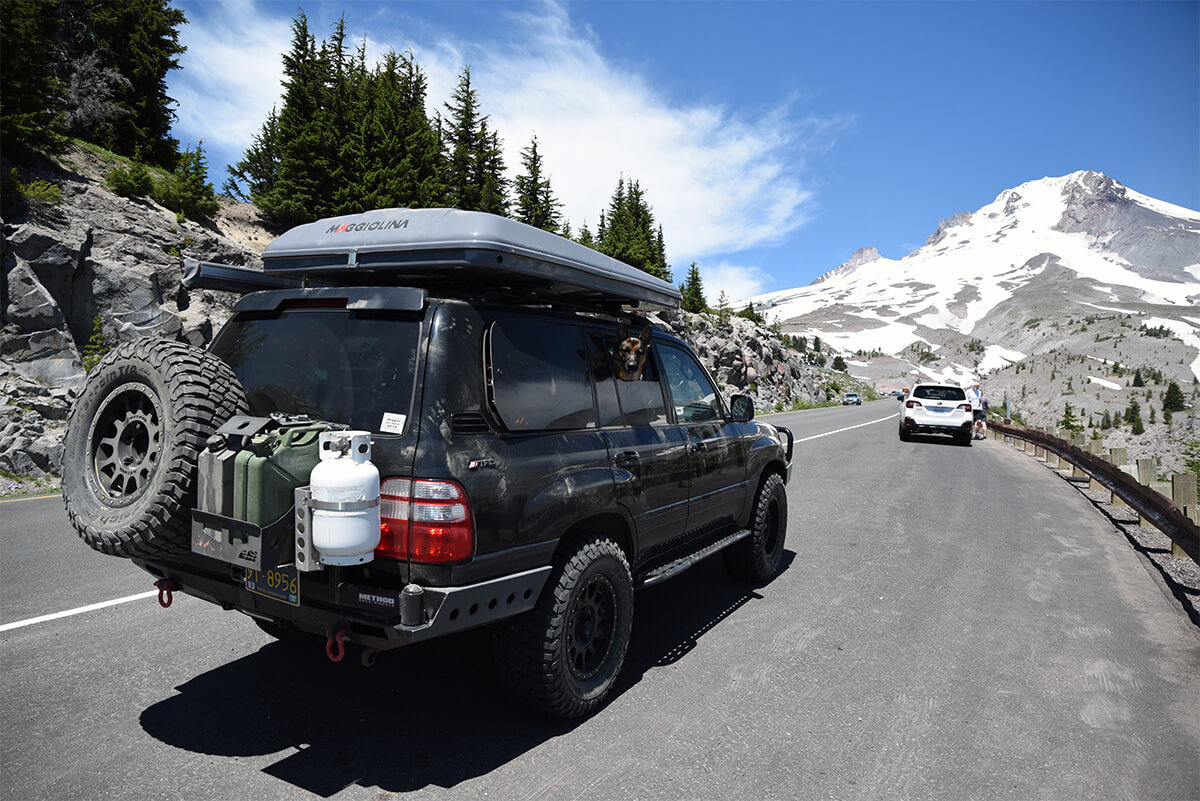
x=1011, y=275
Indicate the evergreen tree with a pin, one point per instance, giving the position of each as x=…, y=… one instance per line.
x=750, y=314
x=139, y=39
x=839, y=364
x=1068, y=420
x=303, y=189
x=254, y=176
x=723, y=310
x=1137, y=379
x=31, y=96
x=474, y=167
x=187, y=190
x=585, y=236
x=802, y=344
x=536, y=204
x=692, y=291
x=628, y=233
x=1173, y=399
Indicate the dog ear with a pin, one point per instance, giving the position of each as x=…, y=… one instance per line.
x=622, y=332
x=645, y=335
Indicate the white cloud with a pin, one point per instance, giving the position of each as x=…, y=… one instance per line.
x=719, y=180
x=231, y=74
x=737, y=282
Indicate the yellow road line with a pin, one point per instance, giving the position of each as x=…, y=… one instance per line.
x=32, y=498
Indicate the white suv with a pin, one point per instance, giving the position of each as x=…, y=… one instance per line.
x=937, y=409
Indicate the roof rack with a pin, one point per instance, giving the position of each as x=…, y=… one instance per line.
x=450, y=249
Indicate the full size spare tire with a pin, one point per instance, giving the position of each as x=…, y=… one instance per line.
x=133, y=437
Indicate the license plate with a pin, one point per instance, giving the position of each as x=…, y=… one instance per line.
x=280, y=583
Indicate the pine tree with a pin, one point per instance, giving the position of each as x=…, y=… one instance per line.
x=723, y=310
x=303, y=186
x=1137, y=379
x=692, y=291
x=254, y=176
x=536, y=204
x=628, y=233
x=839, y=364
x=31, y=96
x=1173, y=399
x=187, y=190
x=140, y=40
x=463, y=146
x=493, y=193
x=1068, y=420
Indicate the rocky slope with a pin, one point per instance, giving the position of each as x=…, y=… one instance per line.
x=100, y=256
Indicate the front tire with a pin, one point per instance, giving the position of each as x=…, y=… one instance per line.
x=756, y=558
x=564, y=656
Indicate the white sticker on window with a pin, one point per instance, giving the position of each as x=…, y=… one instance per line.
x=392, y=423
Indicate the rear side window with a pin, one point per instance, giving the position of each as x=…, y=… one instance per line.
x=940, y=393
x=625, y=403
x=538, y=373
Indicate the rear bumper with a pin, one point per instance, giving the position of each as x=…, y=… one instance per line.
x=369, y=616
x=926, y=426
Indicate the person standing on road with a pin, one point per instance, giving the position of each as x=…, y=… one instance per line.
x=978, y=410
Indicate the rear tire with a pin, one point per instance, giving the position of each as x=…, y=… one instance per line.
x=133, y=438
x=564, y=656
x=904, y=435
x=964, y=439
x=756, y=558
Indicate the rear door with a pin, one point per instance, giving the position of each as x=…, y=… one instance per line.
x=648, y=452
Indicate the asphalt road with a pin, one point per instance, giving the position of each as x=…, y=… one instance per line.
x=952, y=623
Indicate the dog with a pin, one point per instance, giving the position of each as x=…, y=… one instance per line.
x=629, y=358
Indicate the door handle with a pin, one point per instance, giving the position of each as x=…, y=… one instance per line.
x=623, y=458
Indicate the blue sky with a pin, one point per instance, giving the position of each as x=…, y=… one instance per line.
x=773, y=139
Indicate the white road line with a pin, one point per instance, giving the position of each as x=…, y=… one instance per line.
x=92, y=608
x=850, y=428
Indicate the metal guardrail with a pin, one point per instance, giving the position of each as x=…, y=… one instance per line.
x=1150, y=504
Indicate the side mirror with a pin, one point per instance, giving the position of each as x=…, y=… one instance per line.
x=741, y=408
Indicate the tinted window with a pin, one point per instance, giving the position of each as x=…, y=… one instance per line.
x=940, y=393
x=692, y=392
x=539, y=375
x=630, y=403
x=339, y=366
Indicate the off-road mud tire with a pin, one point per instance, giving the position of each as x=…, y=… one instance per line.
x=133, y=438
x=756, y=558
x=563, y=657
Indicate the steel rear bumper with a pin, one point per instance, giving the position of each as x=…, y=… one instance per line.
x=435, y=611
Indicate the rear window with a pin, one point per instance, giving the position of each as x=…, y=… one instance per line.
x=347, y=367
x=539, y=375
x=940, y=393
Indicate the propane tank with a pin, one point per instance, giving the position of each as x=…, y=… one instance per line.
x=345, y=499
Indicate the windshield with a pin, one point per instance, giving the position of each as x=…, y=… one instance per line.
x=347, y=367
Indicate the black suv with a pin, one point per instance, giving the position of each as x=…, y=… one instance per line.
x=537, y=463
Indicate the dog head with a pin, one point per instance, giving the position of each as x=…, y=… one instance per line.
x=629, y=359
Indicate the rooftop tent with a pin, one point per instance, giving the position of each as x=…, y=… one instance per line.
x=452, y=248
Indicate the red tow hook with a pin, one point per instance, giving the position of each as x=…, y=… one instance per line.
x=335, y=644
x=165, y=588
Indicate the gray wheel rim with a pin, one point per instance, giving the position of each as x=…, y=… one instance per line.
x=124, y=445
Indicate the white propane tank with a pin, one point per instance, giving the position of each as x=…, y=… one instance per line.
x=345, y=499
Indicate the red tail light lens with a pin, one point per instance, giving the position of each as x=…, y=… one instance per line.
x=912, y=404
x=965, y=407
x=425, y=521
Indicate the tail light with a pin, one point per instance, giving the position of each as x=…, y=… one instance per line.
x=912, y=404
x=425, y=521
x=964, y=407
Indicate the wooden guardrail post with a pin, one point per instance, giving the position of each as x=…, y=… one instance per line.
x=1079, y=441
x=1097, y=449
x=1119, y=457
x=1038, y=451
x=1145, y=475
x=1183, y=492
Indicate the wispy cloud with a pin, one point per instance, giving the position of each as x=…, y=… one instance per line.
x=738, y=282
x=720, y=180
x=230, y=75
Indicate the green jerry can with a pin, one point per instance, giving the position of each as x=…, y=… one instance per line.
x=270, y=467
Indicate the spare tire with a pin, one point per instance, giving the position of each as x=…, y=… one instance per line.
x=133, y=438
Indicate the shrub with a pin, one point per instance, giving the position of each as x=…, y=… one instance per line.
x=130, y=180
x=187, y=191
x=97, y=346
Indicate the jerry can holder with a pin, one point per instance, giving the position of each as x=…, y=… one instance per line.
x=237, y=542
